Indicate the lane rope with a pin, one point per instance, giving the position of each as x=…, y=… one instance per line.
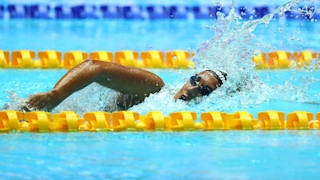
x=149, y=59
x=68, y=121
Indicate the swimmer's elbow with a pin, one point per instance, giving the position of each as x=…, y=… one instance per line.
x=160, y=84
x=156, y=86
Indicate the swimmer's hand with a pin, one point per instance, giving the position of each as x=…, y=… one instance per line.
x=42, y=101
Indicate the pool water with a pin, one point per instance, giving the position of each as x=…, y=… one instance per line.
x=94, y=35
x=157, y=155
x=24, y=83
x=162, y=155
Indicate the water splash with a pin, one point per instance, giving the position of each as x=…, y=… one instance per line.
x=231, y=50
x=92, y=98
x=15, y=102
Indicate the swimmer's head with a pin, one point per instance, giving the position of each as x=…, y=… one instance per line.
x=201, y=84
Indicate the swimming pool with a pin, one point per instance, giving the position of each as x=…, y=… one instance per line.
x=187, y=155
x=159, y=155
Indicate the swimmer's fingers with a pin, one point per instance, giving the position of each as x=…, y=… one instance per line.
x=30, y=102
x=42, y=101
x=25, y=108
x=29, y=105
x=35, y=102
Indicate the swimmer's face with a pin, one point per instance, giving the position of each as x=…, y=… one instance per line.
x=201, y=84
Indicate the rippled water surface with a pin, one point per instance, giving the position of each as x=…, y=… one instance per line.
x=94, y=98
x=93, y=35
x=156, y=155
x=160, y=155
x=226, y=44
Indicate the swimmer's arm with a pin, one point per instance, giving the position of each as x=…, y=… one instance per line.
x=120, y=78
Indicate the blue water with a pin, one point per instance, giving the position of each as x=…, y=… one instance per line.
x=28, y=82
x=159, y=155
x=94, y=35
x=148, y=2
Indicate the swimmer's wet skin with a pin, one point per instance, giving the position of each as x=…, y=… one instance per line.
x=201, y=84
x=134, y=84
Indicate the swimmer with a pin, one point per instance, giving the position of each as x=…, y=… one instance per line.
x=133, y=84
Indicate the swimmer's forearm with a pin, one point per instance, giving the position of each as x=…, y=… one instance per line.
x=76, y=79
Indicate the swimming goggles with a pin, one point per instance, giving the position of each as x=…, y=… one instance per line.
x=204, y=90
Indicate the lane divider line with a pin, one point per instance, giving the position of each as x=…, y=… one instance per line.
x=68, y=121
x=176, y=59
